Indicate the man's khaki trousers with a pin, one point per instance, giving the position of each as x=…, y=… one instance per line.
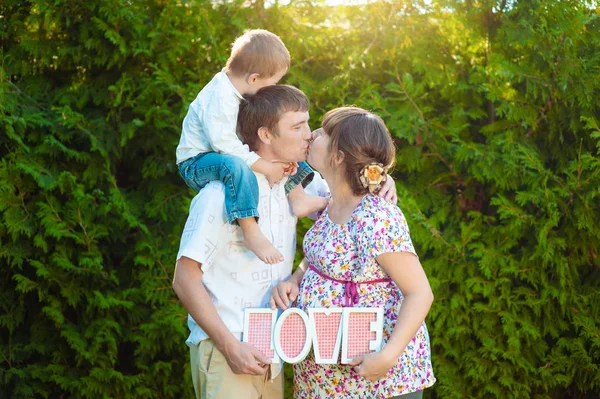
x=213, y=378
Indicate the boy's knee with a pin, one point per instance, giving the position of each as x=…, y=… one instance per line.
x=236, y=166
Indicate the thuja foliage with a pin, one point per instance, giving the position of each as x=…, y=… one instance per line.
x=494, y=108
x=92, y=99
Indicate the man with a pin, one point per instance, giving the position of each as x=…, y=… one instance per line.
x=216, y=276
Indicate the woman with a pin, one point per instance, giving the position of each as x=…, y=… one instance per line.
x=362, y=239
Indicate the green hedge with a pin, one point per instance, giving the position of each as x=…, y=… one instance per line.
x=494, y=107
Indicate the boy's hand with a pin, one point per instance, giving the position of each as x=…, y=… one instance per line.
x=291, y=169
x=275, y=172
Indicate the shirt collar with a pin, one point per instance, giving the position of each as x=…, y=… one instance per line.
x=228, y=81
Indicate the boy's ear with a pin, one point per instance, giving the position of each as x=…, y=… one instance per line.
x=252, y=78
x=264, y=135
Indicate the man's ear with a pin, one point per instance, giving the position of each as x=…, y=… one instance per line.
x=264, y=135
x=252, y=78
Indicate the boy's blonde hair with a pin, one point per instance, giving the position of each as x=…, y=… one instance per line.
x=258, y=51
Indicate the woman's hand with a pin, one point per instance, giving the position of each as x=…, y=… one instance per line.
x=283, y=294
x=374, y=366
x=388, y=190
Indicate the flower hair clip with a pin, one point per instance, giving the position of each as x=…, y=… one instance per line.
x=372, y=175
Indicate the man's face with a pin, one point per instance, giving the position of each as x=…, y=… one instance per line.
x=294, y=136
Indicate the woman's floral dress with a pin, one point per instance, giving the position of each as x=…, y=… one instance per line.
x=347, y=252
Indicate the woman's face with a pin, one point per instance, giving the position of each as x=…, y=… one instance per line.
x=319, y=156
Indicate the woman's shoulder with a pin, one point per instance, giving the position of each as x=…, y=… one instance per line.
x=377, y=214
x=375, y=207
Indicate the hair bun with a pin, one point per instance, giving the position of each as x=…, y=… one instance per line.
x=372, y=175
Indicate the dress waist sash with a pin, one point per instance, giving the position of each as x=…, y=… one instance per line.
x=350, y=287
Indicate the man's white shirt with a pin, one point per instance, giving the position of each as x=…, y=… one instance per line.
x=233, y=276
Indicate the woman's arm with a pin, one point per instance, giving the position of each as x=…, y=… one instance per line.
x=406, y=271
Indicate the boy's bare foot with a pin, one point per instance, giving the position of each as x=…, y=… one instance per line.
x=256, y=242
x=304, y=204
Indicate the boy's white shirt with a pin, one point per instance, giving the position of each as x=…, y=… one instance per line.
x=233, y=276
x=211, y=122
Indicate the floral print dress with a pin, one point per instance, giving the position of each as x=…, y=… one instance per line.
x=347, y=252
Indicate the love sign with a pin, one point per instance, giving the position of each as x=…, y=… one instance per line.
x=356, y=331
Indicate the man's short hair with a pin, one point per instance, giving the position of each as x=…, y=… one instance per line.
x=258, y=51
x=264, y=109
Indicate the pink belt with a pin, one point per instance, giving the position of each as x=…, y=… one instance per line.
x=350, y=287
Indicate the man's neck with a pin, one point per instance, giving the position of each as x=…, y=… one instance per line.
x=263, y=152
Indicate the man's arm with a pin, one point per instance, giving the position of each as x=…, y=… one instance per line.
x=242, y=357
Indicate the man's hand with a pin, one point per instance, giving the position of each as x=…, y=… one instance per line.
x=373, y=366
x=388, y=190
x=283, y=294
x=243, y=358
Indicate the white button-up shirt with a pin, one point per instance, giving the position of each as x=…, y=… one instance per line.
x=211, y=122
x=233, y=276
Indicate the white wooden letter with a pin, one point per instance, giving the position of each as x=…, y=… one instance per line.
x=362, y=332
x=293, y=336
x=259, y=325
x=326, y=324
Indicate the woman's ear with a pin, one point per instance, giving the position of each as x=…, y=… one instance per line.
x=338, y=158
x=264, y=135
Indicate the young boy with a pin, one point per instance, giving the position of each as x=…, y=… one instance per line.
x=209, y=148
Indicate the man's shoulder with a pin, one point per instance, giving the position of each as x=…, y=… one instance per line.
x=207, y=209
x=210, y=198
x=213, y=191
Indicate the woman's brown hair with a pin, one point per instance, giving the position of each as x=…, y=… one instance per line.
x=363, y=139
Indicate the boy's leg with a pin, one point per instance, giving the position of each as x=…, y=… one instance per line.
x=256, y=241
x=241, y=187
x=241, y=196
x=195, y=173
x=303, y=176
